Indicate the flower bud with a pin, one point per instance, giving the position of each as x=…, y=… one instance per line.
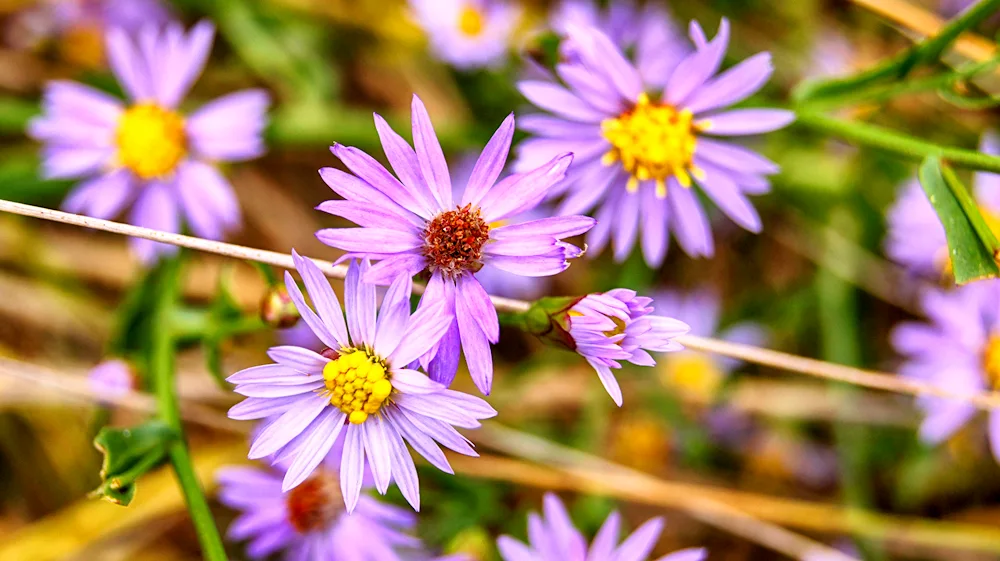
x=277, y=308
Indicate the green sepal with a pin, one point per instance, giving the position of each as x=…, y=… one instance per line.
x=547, y=319
x=129, y=453
x=971, y=246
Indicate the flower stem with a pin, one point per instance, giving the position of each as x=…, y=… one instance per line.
x=899, y=143
x=162, y=372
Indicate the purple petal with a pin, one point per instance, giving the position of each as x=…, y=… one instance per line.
x=698, y=67
x=475, y=345
x=490, y=163
x=261, y=408
x=185, y=61
x=413, y=381
x=404, y=162
x=557, y=226
x=377, y=451
x=372, y=172
x=359, y=300
x=352, y=467
x=390, y=268
x=423, y=330
x=609, y=381
x=103, y=197
x=323, y=297
x=527, y=191
x=297, y=358
x=155, y=208
x=316, y=325
x=726, y=194
x=532, y=266
x=403, y=470
x=325, y=431
x=290, y=424
x=641, y=542
x=127, y=65
x=734, y=85
x=746, y=121
x=655, y=223
x=429, y=154
x=732, y=156
x=421, y=443
x=68, y=162
x=393, y=315
x=354, y=189
x=626, y=226
x=362, y=240
x=230, y=128
x=689, y=222
x=558, y=100
x=471, y=297
x=207, y=199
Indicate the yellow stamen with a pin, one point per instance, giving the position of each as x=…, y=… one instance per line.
x=150, y=140
x=991, y=361
x=471, y=21
x=653, y=141
x=358, y=383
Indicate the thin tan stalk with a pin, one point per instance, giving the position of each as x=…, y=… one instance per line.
x=776, y=359
x=926, y=24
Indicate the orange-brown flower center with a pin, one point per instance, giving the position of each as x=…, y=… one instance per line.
x=315, y=503
x=454, y=241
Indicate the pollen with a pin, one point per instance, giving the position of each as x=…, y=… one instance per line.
x=454, y=241
x=357, y=382
x=619, y=327
x=315, y=503
x=694, y=375
x=991, y=362
x=150, y=140
x=653, y=142
x=471, y=21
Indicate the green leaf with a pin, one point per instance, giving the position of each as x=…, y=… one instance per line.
x=971, y=259
x=129, y=453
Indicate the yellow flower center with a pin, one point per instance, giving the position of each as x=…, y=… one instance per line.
x=991, y=361
x=619, y=327
x=150, y=140
x=694, y=374
x=358, y=383
x=653, y=141
x=471, y=21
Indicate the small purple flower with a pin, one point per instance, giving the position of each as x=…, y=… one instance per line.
x=309, y=522
x=700, y=374
x=359, y=386
x=648, y=29
x=146, y=154
x=112, y=378
x=468, y=33
x=618, y=326
x=412, y=223
x=553, y=537
x=641, y=141
x=958, y=348
x=915, y=237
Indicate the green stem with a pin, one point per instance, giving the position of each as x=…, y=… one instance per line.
x=162, y=370
x=899, y=143
x=971, y=210
x=931, y=48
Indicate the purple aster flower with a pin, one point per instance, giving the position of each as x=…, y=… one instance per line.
x=467, y=33
x=145, y=153
x=359, y=387
x=111, y=377
x=700, y=374
x=958, y=348
x=640, y=147
x=616, y=326
x=915, y=236
x=413, y=223
x=553, y=537
x=309, y=522
x=648, y=29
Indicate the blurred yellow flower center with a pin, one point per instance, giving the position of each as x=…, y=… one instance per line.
x=619, y=327
x=653, y=141
x=358, y=383
x=693, y=374
x=991, y=361
x=471, y=21
x=314, y=504
x=150, y=140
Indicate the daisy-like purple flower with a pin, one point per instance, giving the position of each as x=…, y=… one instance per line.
x=959, y=348
x=413, y=224
x=145, y=153
x=309, y=522
x=359, y=388
x=915, y=236
x=649, y=29
x=694, y=373
x=611, y=327
x=553, y=537
x=641, y=147
x=468, y=33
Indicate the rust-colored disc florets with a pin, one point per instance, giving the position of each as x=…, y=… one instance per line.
x=455, y=239
x=315, y=503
